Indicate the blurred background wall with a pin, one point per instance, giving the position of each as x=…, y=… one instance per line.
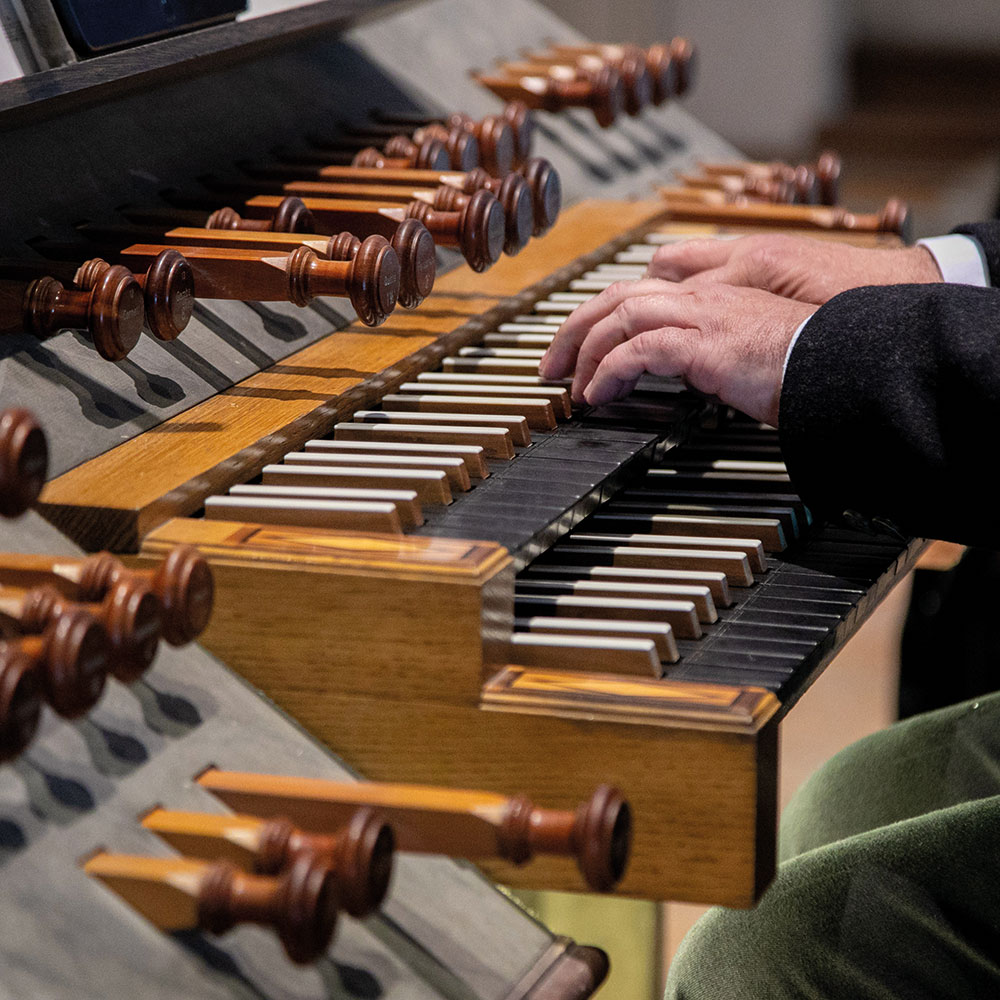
x=905, y=90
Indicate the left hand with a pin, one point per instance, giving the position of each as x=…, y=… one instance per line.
x=724, y=341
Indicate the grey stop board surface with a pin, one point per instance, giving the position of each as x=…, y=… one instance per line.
x=443, y=932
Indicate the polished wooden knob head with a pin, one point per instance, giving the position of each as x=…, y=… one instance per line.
x=21, y=700
x=428, y=153
x=518, y=116
x=24, y=461
x=638, y=81
x=603, y=835
x=112, y=312
x=515, y=199
x=133, y=617
x=546, y=192
x=461, y=144
x=186, y=590
x=291, y=216
x=73, y=657
x=478, y=230
x=301, y=904
x=606, y=97
x=360, y=855
x=684, y=57
x=663, y=73
x=168, y=291
x=828, y=167
x=414, y=246
x=169, y=295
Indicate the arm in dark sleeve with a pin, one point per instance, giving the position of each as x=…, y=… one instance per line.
x=890, y=409
x=988, y=235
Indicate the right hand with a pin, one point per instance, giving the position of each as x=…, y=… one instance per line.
x=795, y=267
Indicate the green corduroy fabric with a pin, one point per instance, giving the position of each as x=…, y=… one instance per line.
x=889, y=883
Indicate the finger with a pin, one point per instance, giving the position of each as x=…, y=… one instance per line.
x=674, y=306
x=667, y=351
x=560, y=358
x=677, y=261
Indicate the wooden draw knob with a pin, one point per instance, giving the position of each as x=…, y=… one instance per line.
x=895, y=218
x=636, y=78
x=20, y=700
x=414, y=247
x=169, y=294
x=607, y=95
x=603, y=836
x=515, y=199
x=301, y=905
x=546, y=191
x=363, y=861
x=292, y=216
x=24, y=461
x=683, y=54
x=184, y=585
x=663, y=72
x=828, y=167
x=342, y=246
x=112, y=312
x=427, y=154
x=133, y=617
x=482, y=230
x=74, y=659
x=374, y=281
x=518, y=115
x=496, y=144
x=461, y=144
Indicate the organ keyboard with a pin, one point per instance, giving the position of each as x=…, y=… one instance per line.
x=423, y=553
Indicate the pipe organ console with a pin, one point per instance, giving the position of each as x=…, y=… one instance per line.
x=575, y=630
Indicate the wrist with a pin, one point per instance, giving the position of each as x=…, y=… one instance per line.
x=922, y=267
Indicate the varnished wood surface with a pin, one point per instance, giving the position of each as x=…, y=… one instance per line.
x=114, y=500
x=378, y=689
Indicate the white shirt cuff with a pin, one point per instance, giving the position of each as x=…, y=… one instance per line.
x=959, y=258
x=791, y=345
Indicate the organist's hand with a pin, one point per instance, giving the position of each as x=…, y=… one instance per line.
x=726, y=341
x=809, y=270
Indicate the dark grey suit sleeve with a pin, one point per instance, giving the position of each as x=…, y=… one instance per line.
x=988, y=235
x=890, y=410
